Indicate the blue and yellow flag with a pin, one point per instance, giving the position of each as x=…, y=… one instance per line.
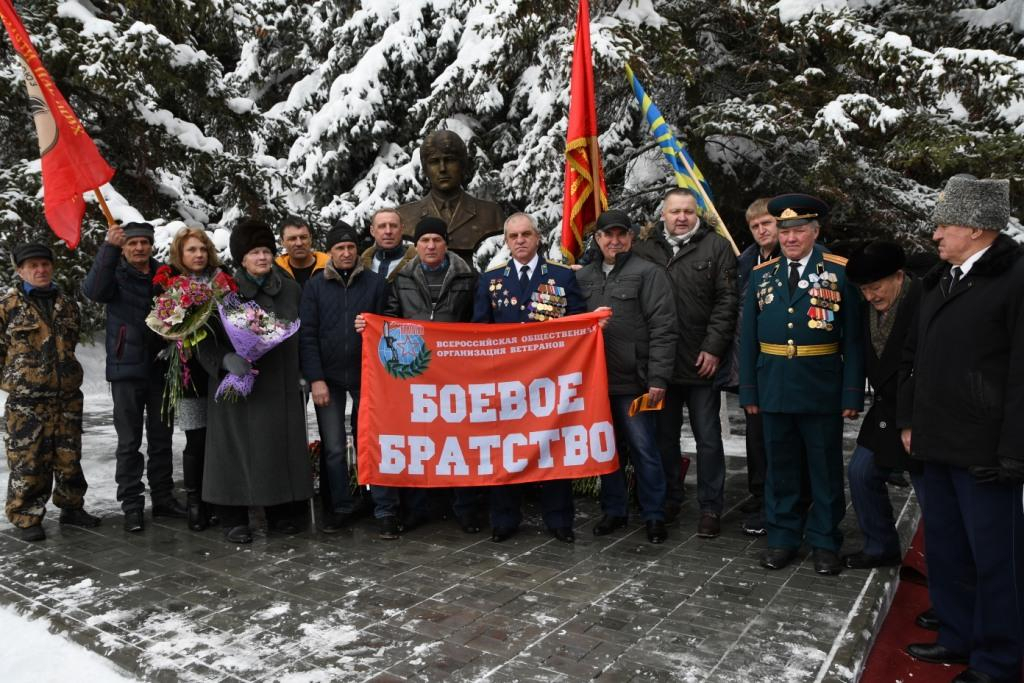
x=678, y=157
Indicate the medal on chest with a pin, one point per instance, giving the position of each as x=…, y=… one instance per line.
x=824, y=298
x=547, y=301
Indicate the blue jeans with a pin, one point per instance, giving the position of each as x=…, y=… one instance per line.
x=704, y=403
x=639, y=434
x=388, y=501
x=331, y=421
x=871, y=502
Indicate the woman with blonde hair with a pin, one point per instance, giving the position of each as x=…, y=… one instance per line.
x=194, y=255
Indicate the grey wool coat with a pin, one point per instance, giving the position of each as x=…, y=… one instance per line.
x=256, y=450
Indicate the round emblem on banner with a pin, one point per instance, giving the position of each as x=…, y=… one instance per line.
x=402, y=350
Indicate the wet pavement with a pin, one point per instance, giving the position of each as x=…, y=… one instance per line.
x=442, y=605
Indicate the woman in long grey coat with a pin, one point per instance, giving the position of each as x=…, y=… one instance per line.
x=256, y=451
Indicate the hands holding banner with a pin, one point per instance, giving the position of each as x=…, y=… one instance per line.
x=448, y=404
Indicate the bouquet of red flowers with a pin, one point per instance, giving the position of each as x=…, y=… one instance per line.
x=179, y=315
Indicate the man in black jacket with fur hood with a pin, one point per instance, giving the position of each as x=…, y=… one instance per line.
x=961, y=409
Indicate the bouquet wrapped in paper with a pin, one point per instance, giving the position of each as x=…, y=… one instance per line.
x=180, y=314
x=253, y=332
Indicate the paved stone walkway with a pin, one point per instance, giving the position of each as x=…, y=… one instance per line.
x=440, y=605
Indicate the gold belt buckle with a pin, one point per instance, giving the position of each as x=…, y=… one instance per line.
x=790, y=351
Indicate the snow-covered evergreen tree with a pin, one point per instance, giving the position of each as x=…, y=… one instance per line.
x=213, y=109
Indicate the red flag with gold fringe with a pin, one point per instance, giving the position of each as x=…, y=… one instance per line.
x=585, y=193
x=71, y=164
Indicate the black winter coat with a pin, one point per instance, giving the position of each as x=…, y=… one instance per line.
x=256, y=450
x=128, y=295
x=962, y=379
x=640, y=338
x=409, y=296
x=330, y=348
x=703, y=275
x=880, y=431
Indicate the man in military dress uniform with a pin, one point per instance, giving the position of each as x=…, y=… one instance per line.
x=39, y=327
x=528, y=288
x=802, y=369
x=469, y=219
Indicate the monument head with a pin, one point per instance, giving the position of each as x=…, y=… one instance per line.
x=445, y=161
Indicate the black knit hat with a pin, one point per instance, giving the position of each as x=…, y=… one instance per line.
x=429, y=225
x=250, y=234
x=24, y=252
x=874, y=261
x=341, y=232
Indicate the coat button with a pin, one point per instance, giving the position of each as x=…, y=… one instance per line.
x=882, y=424
x=522, y=308
x=789, y=341
x=790, y=309
x=789, y=325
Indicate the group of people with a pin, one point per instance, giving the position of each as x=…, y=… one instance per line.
x=793, y=328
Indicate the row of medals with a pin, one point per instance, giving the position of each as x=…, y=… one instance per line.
x=825, y=298
x=547, y=302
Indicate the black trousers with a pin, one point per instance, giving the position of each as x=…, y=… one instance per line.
x=137, y=404
x=193, y=458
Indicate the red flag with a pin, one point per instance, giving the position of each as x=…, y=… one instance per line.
x=582, y=202
x=71, y=163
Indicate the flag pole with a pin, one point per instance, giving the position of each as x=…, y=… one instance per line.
x=106, y=209
x=710, y=204
x=594, y=154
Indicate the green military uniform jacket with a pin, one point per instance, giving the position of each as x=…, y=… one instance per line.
x=821, y=319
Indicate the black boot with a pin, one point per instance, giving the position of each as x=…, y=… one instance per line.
x=198, y=516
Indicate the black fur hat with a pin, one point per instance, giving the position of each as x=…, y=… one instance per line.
x=874, y=261
x=248, y=235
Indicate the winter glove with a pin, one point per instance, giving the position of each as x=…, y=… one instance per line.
x=236, y=365
x=1009, y=471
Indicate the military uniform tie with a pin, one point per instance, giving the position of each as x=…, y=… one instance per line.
x=794, y=276
x=524, y=279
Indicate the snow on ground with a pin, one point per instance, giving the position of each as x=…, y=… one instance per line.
x=31, y=654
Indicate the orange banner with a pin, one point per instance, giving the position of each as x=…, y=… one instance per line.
x=451, y=404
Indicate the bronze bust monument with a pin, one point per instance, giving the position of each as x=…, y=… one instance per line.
x=445, y=161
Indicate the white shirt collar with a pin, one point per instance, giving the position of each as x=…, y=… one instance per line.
x=966, y=266
x=532, y=265
x=803, y=263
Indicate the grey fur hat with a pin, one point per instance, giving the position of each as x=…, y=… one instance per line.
x=967, y=201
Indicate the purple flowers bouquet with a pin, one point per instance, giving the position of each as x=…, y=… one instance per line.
x=253, y=332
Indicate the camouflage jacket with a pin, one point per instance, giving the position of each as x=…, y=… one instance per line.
x=37, y=352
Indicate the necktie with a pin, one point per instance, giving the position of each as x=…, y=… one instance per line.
x=794, y=276
x=954, y=279
x=524, y=279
